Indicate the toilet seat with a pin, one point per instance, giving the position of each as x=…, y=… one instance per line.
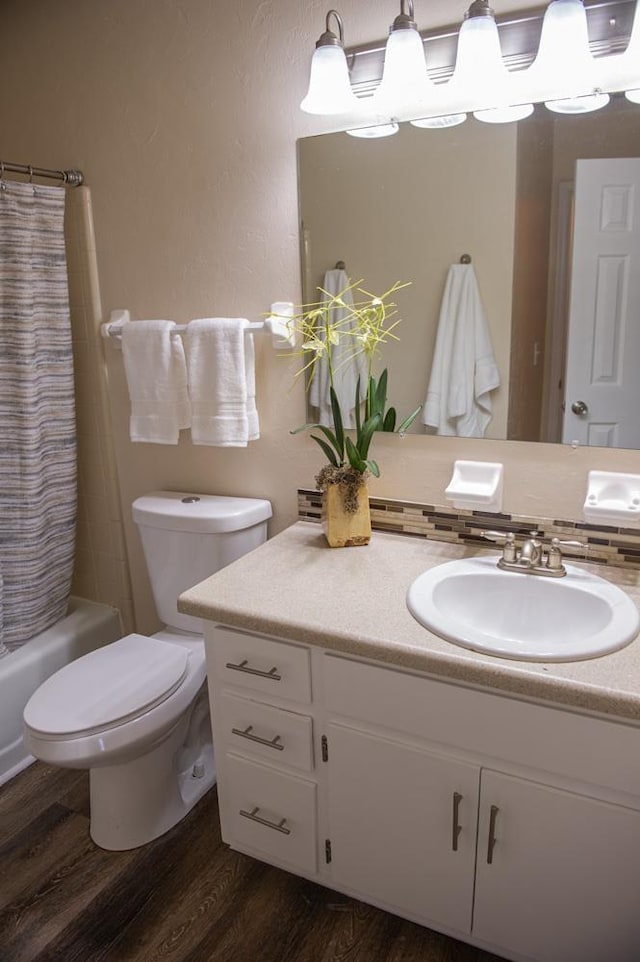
x=107, y=687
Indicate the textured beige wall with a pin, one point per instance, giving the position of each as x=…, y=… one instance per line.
x=184, y=117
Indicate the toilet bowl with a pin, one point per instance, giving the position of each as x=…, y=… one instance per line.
x=136, y=712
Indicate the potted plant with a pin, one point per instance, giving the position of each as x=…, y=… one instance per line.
x=335, y=332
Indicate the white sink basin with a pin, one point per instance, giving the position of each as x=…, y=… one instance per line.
x=523, y=616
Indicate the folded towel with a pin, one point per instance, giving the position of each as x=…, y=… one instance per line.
x=221, y=382
x=156, y=371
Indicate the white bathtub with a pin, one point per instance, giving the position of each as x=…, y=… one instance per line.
x=87, y=626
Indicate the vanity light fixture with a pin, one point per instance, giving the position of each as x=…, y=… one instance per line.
x=404, y=77
x=480, y=71
x=564, y=66
x=329, y=86
x=583, y=55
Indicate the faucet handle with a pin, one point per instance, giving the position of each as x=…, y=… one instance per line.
x=507, y=539
x=554, y=556
x=500, y=537
x=557, y=543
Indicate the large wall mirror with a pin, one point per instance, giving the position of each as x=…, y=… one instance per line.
x=549, y=215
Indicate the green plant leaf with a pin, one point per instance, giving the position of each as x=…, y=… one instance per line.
x=329, y=452
x=337, y=423
x=408, y=421
x=358, y=418
x=370, y=426
x=356, y=462
x=389, y=422
x=381, y=391
x=304, y=427
x=373, y=467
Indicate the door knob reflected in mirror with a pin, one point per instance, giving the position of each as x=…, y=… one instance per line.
x=579, y=407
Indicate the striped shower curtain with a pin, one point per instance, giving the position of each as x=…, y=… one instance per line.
x=37, y=415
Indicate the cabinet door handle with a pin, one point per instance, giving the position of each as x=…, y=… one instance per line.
x=492, y=833
x=269, y=742
x=276, y=826
x=456, y=827
x=244, y=666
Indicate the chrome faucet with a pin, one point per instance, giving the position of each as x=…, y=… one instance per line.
x=531, y=558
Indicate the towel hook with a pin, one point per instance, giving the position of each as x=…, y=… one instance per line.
x=341, y=266
x=465, y=259
x=3, y=186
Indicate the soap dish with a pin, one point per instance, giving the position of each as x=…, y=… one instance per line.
x=613, y=497
x=476, y=484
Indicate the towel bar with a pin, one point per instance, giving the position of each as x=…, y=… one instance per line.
x=275, y=324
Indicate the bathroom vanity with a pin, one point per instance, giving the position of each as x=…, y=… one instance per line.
x=495, y=801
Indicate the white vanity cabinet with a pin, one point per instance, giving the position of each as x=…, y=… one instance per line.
x=260, y=692
x=509, y=824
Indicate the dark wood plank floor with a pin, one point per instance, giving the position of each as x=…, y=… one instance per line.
x=184, y=898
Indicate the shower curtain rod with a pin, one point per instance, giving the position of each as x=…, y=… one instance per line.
x=72, y=178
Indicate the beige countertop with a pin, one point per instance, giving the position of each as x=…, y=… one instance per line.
x=352, y=600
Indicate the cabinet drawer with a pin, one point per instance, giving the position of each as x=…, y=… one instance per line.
x=274, y=734
x=274, y=668
x=552, y=740
x=269, y=812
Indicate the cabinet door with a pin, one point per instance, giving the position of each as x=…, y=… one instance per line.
x=403, y=826
x=562, y=881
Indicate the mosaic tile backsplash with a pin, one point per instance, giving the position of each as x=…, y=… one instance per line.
x=603, y=544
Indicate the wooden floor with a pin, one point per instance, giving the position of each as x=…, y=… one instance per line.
x=184, y=898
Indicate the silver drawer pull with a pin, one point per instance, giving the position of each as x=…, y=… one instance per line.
x=244, y=666
x=492, y=833
x=457, y=828
x=269, y=742
x=276, y=826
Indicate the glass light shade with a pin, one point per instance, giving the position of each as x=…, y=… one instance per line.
x=633, y=96
x=404, y=78
x=480, y=74
x=436, y=123
x=564, y=67
x=329, y=86
x=379, y=130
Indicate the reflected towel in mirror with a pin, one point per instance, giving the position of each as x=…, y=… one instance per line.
x=463, y=371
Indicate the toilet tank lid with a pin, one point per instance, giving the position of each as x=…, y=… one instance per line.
x=204, y=513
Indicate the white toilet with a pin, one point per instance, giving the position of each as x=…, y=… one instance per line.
x=136, y=712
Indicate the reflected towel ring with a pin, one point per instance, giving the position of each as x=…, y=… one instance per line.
x=465, y=259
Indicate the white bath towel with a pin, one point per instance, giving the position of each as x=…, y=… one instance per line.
x=463, y=371
x=346, y=367
x=220, y=363
x=156, y=372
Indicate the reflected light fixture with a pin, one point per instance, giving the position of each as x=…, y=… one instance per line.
x=480, y=71
x=564, y=65
x=329, y=85
x=631, y=57
x=438, y=123
x=376, y=130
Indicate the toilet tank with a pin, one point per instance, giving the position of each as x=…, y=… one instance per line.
x=188, y=537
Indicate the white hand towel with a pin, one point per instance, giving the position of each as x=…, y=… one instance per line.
x=156, y=372
x=253, y=421
x=463, y=371
x=218, y=382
